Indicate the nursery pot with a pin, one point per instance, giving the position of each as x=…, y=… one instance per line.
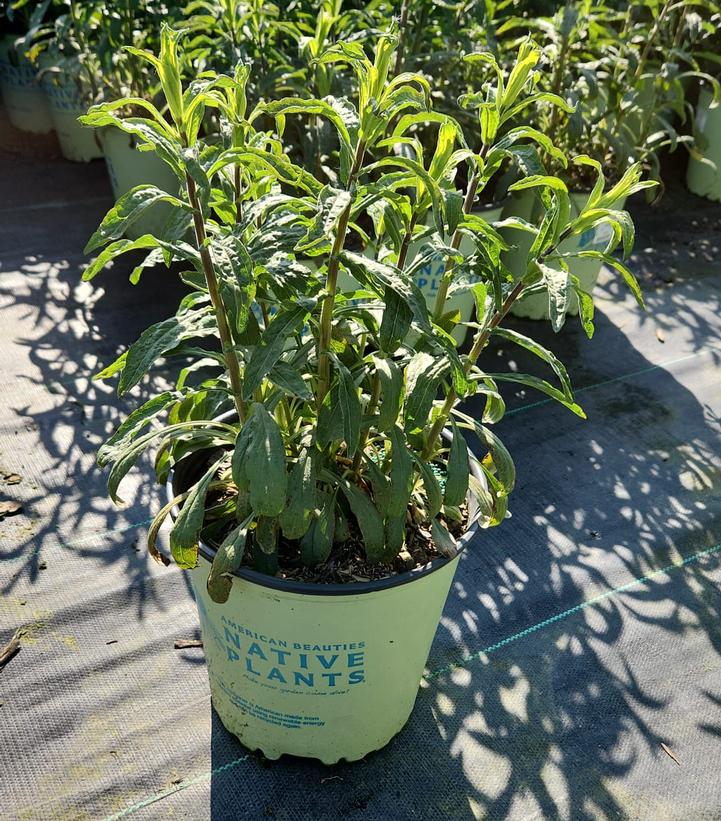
x=25, y=101
x=77, y=143
x=701, y=177
x=587, y=270
x=327, y=671
x=128, y=167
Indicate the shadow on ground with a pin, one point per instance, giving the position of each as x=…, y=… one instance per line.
x=58, y=332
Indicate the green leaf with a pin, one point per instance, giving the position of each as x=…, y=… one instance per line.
x=296, y=517
x=289, y=379
x=540, y=385
x=271, y=346
x=489, y=120
x=434, y=497
x=586, y=309
x=239, y=463
x=317, y=543
x=542, y=353
x=369, y=521
x=160, y=338
x=185, y=534
x=500, y=458
x=168, y=68
x=350, y=408
x=266, y=534
x=126, y=210
x=457, y=470
x=332, y=202
x=380, y=277
x=626, y=274
x=423, y=377
x=115, y=249
x=445, y=544
x=539, y=181
x=558, y=283
x=396, y=321
x=380, y=484
x=391, y=379
x=132, y=425
x=401, y=475
x=395, y=535
x=228, y=558
x=266, y=464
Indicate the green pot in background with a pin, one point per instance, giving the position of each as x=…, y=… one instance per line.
x=128, y=167
x=327, y=671
x=77, y=143
x=24, y=98
x=701, y=177
x=525, y=204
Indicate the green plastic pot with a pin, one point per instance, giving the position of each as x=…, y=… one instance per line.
x=319, y=671
x=25, y=101
x=701, y=177
x=525, y=204
x=128, y=167
x=77, y=143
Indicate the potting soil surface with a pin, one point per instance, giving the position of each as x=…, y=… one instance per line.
x=576, y=673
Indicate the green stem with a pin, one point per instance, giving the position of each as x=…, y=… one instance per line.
x=331, y=285
x=478, y=345
x=229, y=354
x=445, y=283
x=402, y=24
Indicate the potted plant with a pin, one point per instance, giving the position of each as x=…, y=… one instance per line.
x=591, y=67
x=319, y=485
x=70, y=75
x=22, y=94
x=703, y=175
x=102, y=38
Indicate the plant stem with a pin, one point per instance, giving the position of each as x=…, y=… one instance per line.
x=402, y=23
x=478, y=345
x=445, y=283
x=558, y=82
x=331, y=284
x=229, y=354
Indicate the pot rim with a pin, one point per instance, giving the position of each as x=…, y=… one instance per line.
x=352, y=588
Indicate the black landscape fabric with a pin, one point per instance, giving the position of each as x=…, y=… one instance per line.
x=576, y=673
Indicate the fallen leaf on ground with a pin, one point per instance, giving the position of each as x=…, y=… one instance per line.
x=11, y=649
x=669, y=753
x=10, y=508
x=182, y=644
x=660, y=335
x=12, y=478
